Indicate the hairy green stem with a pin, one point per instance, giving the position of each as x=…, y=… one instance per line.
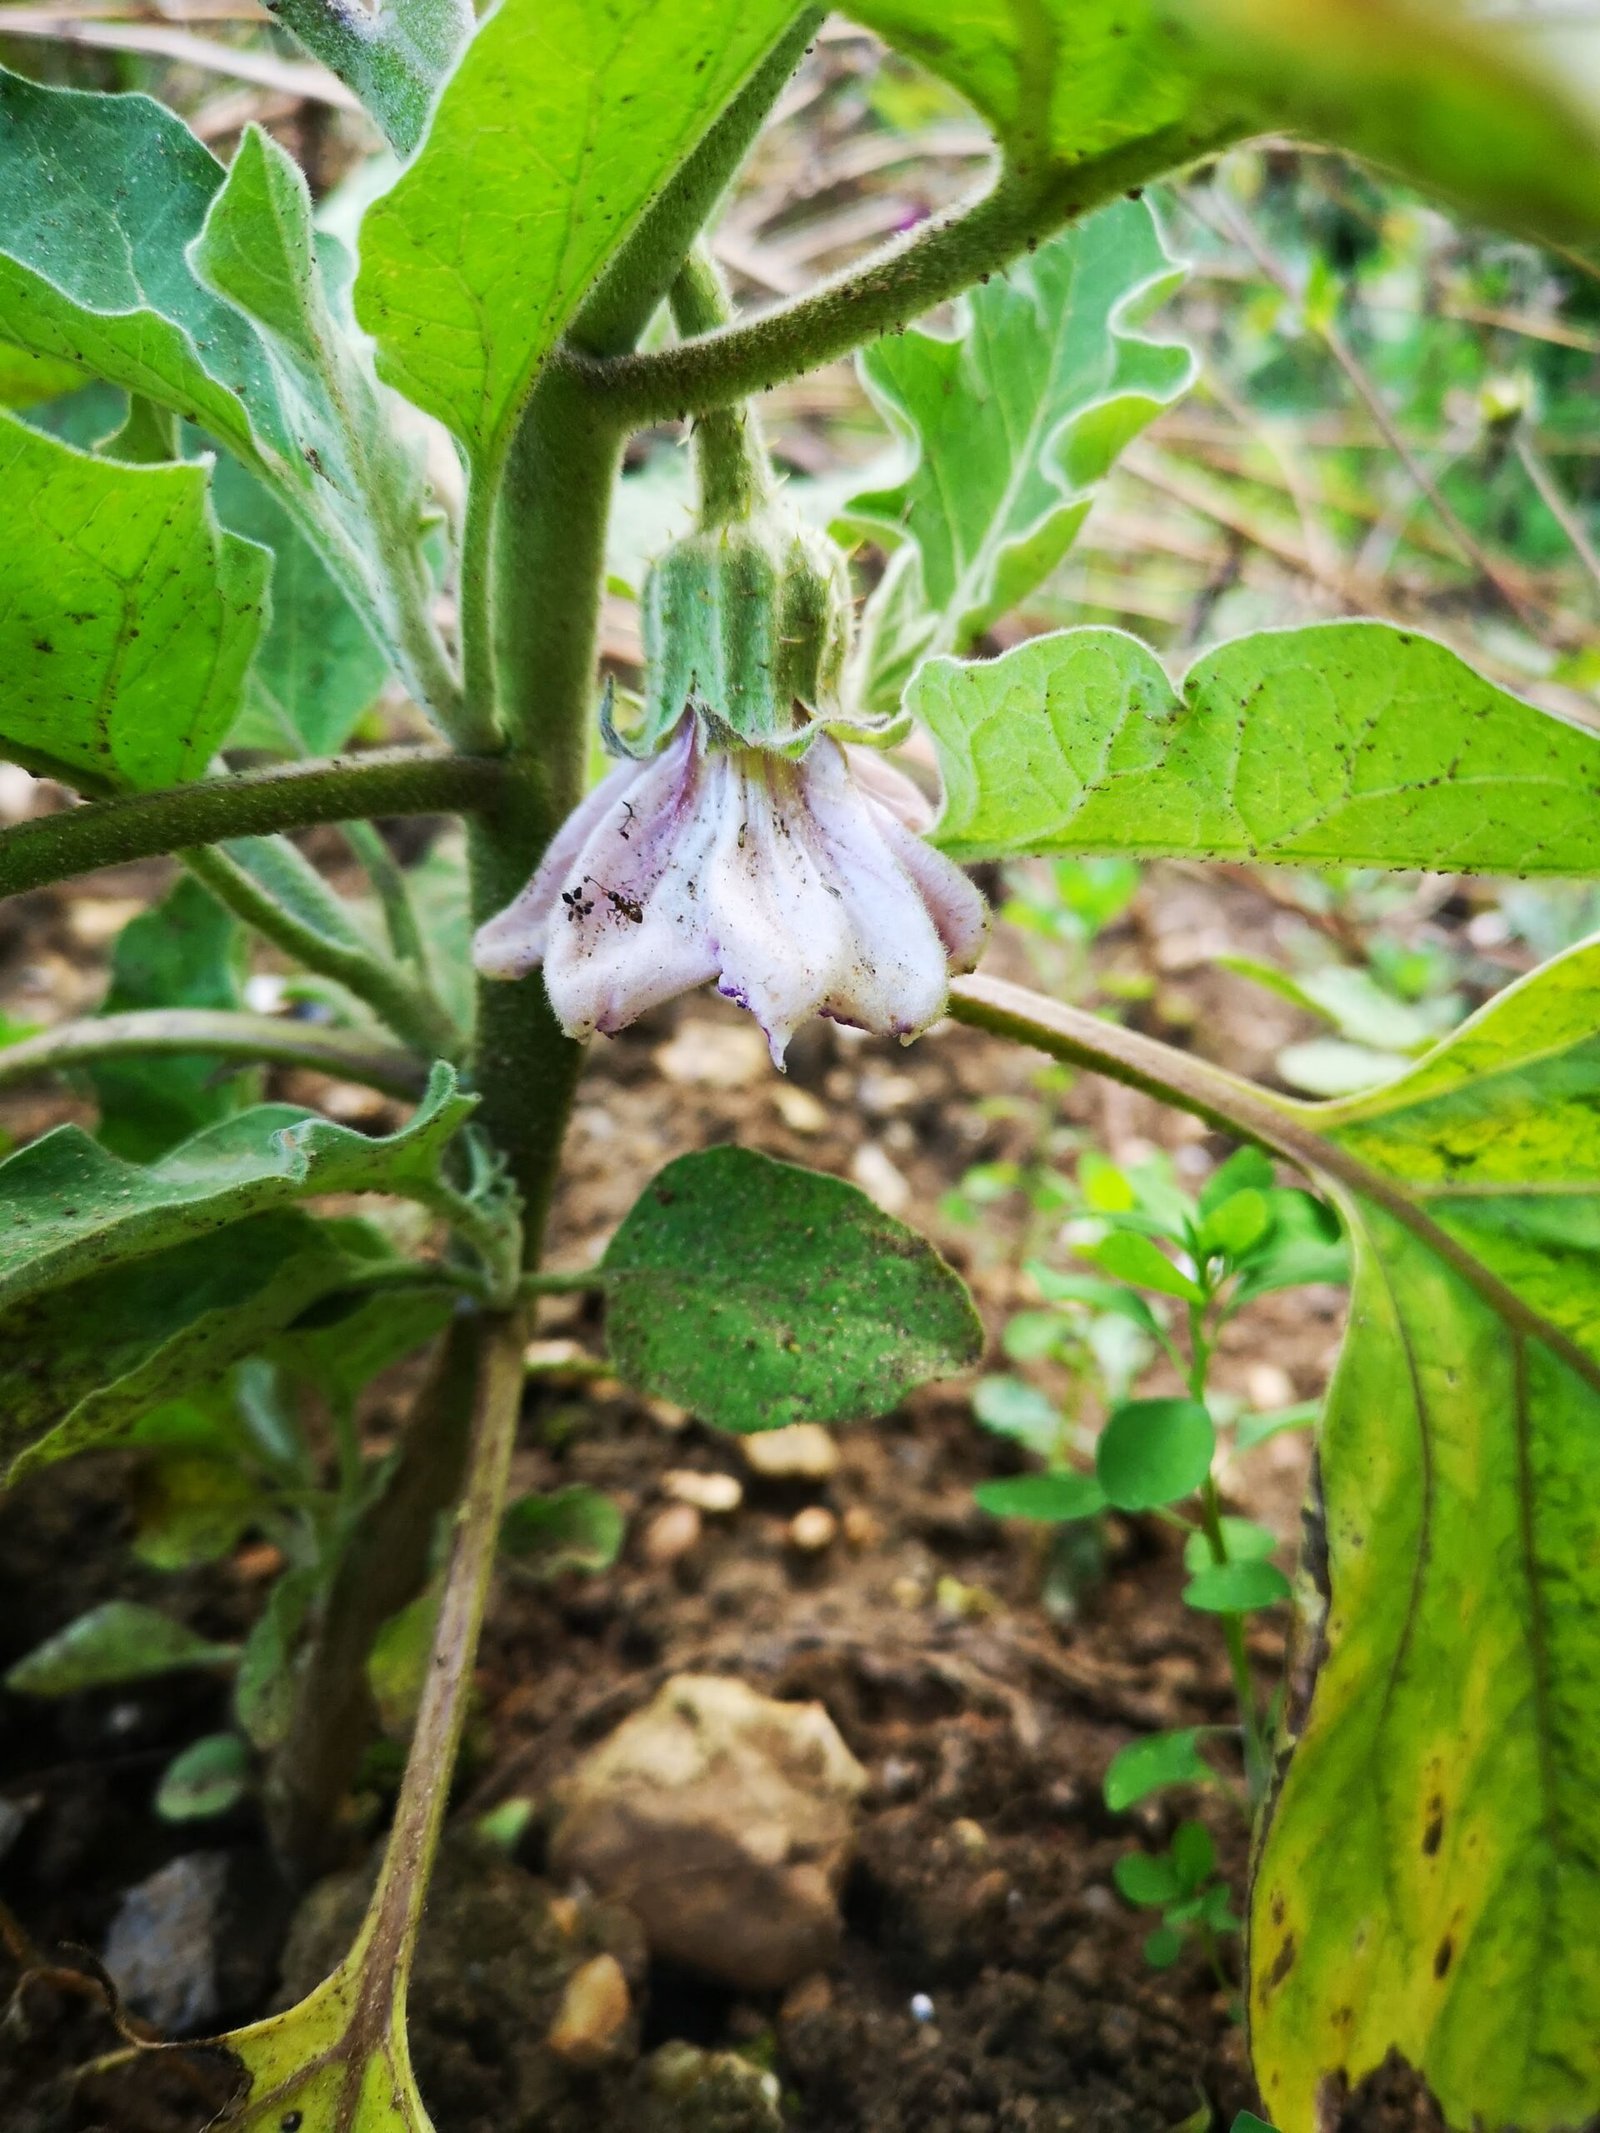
x=266, y=1040
x=405, y=1007
x=547, y=569
x=392, y=887
x=730, y=459
x=897, y=284
x=146, y=825
x=638, y=279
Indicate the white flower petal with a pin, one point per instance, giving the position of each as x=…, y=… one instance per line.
x=954, y=903
x=886, y=783
x=897, y=978
x=779, y=927
x=511, y=943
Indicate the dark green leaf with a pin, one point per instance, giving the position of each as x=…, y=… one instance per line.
x=1146, y=1766
x=758, y=1294
x=571, y=1529
x=82, y=1363
x=1163, y=1947
x=206, y=1779
x=1348, y=743
x=185, y=952
x=190, y=1508
x=1054, y=1498
x=263, y=1690
x=1154, y=1452
x=71, y=1209
x=317, y=667
x=130, y=617
x=118, y=1642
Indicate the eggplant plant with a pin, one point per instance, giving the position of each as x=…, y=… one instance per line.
x=220, y=541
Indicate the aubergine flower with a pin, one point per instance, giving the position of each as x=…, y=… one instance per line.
x=797, y=884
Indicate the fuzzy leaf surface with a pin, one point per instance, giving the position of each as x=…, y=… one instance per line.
x=760, y=1294
x=1007, y=427
x=557, y=129
x=127, y=249
x=69, y=1208
x=1431, y=1871
x=82, y=1364
x=128, y=618
x=1345, y=743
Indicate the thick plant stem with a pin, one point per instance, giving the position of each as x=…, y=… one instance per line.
x=641, y=274
x=908, y=277
x=407, y=1009
x=384, y=1565
x=546, y=569
x=265, y=1040
x=106, y=833
x=396, y=1912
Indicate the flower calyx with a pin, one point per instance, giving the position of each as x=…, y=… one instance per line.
x=746, y=621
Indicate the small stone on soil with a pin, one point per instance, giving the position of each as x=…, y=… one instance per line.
x=590, y=2023
x=715, y=1494
x=802, y=1452
x=726, y=1822
x=813, y=1529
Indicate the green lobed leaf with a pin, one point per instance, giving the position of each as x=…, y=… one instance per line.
x=1430, y=1875
x=82, y=1363
x=71, y=1209
x=103, y=196
x=759, y=1294
x=556, y=130
x=1054, y=1498
x=186, y=951
x=126, y=248
x=120, y=1641
x=129, y=616
x=1348, y=743
x=1007, y=428
x=1146, y=1766
x=1154, y=1452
